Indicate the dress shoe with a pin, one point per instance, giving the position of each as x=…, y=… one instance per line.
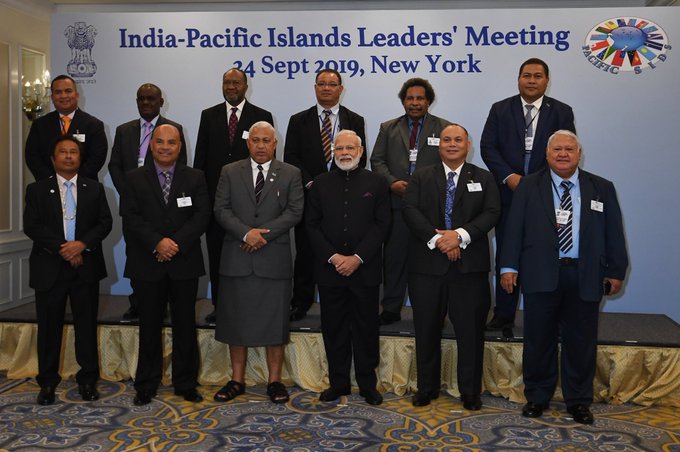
x=471, y=402
x=190, y=395
x=581, y=414
x=88, y=392
x=499, y=322
x=297, y=313
x=371, y=396
x=532, y=409
x=388, y=318
x=211, y=318
x=331, y=394
x=46, y=395
x=142, y=398
x=131, y=313
x=423, y=398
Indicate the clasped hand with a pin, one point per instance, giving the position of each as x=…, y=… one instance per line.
x=448, y=243
x=254, y=240
x=72, y=252
x=166, y=249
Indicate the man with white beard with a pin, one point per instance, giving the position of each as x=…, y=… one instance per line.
x=347, y=219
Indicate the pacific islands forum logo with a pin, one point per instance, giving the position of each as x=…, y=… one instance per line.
x=626, y=44
x=80, y=39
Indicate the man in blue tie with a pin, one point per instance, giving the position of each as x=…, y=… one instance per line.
x=67, y=217
x=565, y=232
x=450, y=207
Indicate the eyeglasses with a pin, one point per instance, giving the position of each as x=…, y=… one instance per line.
x=323, y=85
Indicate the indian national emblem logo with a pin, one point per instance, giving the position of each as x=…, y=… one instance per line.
x=626, y=44
x=80, y=38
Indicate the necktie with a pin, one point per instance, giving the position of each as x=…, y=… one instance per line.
x=412, y=144
x=65, y=124
x=166, y=185
x=259, y=183
x=233, y=123
x=529, y=132
x=144, y=143
x=326, y=135
x=69, y=212
x=564, y=231
x=450, y=192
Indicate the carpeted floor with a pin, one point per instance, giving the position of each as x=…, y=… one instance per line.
x=252, y=423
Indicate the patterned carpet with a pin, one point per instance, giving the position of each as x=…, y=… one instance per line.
x=252, y=423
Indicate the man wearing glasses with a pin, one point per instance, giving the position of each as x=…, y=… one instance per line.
x=309, y=147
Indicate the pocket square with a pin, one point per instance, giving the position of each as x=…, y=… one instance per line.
x=368, y=194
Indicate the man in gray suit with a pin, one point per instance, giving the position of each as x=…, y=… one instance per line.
x=258, y=200
x=405, y=143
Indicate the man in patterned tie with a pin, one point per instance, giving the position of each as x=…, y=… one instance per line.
x=67, y=217
x=131, y=148
x=564, y=230
x=449, y=209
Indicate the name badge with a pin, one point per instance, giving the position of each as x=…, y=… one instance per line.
x=528, y=143
x=80, y=137
x=245, y=135
x=597, y=206
x=432, y=141
x=184, y=201
x=412, y=155
x=562, y=216
x=140, y=161
x=474, y=186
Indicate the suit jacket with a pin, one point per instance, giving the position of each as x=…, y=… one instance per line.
x=44, y=224
x=532, y=243
x=147, y=220
x=502, y=142
x=213, y=149
x=390, y=153
x=45, y=130
x=303, y=146
x=475, y=211
x=348, y=212
x=125, y=149
x=279, y=209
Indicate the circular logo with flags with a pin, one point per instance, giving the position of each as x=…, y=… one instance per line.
x=626, y=44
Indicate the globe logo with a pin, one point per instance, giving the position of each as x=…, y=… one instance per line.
x=626, y=44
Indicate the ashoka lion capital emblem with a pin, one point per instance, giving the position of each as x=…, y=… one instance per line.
x=80, y=38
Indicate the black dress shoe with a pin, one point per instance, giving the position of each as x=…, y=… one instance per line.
x=46, y=395
x=190, y=395
x=471, y=402
x=88, y=392
x=532, y=409
x=332, y=394
x=297, y=313
x=581, y=414
x=499, y=322
x=371, y=396
x=211, y=318
x=423, y=398
x=142, y=398
x=388, y=318
x=131, y=313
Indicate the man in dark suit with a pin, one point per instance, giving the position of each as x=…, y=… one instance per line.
x=131, y=148
x=222, y=135
x=67, y=118
x=515, y=128
x=565, y=232
x=404, y=144
x=258, y=201
x=309, y=146
x=67, y=217
x=450, y=208
x=165, y=211
x=348, y=218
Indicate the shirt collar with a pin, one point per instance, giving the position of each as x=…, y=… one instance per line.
x=447, y=170
x=557, y=180
x=421, y=120
x=61, y=180
x=239, y=106
x=537, y=103
x=159, y=170
x=334, y=109
x=265, y=166
x=153, y=122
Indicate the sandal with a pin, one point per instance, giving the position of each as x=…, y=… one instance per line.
x=230, y=391
x=277, y=392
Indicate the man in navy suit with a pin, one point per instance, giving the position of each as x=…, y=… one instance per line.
x=512, y=145
x=309, y=146
x=450, y=208
x=67, y=118
x=222, y=135
x=565, y=235
x=131, y=148
x=67, y=217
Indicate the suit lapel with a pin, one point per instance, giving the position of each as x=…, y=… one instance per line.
x=84, y=195
x=427, y=130
x=543, y=121
x=588, y=193
x=404, y=132
x=54, y=197
x=247, y=179
x=464, y=178
x=518, y=117
x=545, y=189
x=440, y=184
x=152, y=179
x=270, y=178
